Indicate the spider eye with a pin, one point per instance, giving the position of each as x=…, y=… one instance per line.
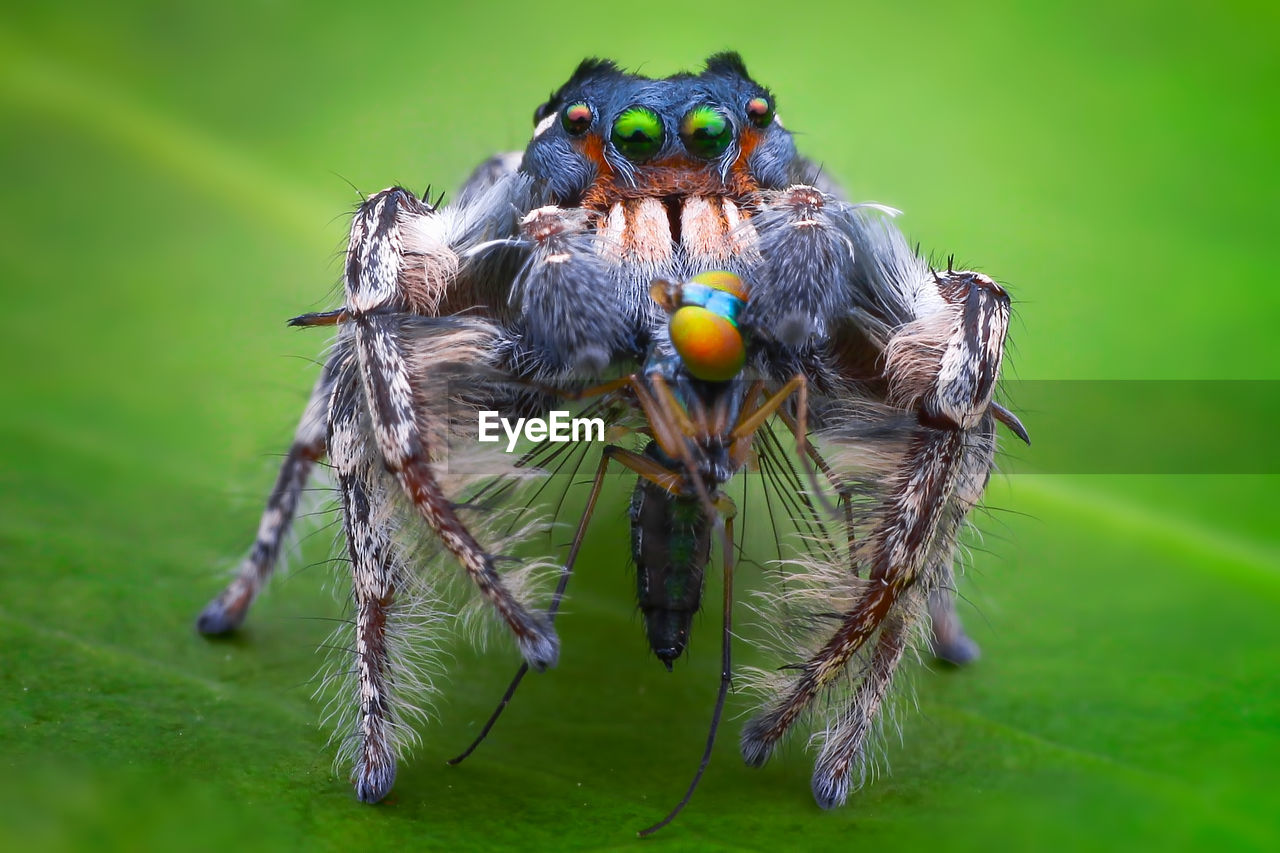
x=706, y=132
x=637, y=133
x=760, y=111
x=576, y=118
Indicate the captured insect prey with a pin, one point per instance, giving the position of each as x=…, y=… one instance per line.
x=662, y=264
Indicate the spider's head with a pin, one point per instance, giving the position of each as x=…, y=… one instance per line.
x=607, y=136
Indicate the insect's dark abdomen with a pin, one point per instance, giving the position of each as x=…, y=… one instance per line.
x=670, y=544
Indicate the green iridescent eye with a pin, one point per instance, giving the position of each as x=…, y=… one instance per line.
x=576, y=118
x=760, y=111
x=637, y=133
x=706, y=132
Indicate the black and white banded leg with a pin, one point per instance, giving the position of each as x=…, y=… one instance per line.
x=943, y=367
x=375, y=579
x=374, y=294
x=227, y=611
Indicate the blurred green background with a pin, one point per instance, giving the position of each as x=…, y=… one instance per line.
x=175, y=178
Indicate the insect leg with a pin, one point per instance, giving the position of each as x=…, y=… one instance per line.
x=227, y=612
x=373, y=293
x=566, y=571
x=727, y=512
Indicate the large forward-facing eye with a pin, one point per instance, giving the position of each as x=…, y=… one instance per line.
x=706, y=132
x=637, y=133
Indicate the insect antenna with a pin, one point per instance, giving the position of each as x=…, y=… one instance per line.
x=726, y=674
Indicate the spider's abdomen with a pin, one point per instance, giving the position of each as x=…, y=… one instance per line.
x=670, y=544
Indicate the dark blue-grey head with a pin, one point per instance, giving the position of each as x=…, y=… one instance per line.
x=607, y=135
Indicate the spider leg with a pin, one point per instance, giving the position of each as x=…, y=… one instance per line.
x=948, y=641
x=375, y=575
x=842, y=748
x=227, y=611
x=374, y=296
x=895, y=552
x=566, y=572
x=833, y=771
x=943, y=367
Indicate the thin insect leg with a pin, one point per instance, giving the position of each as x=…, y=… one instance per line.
x=565, y=573
x=846, y=496
x=833, y=772
x=896, y=550
x=751, y=421
x=726, y=664
x=227, y=612
x=374, y=582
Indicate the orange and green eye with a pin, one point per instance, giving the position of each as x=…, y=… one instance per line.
x=710, y=346
x=704, y=330
x=706, y=132
x=576, y=118
x=637, y=133
x=760, y=111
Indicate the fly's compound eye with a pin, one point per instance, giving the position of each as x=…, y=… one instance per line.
x=706, y=132
x=760, y=112
x=637, y=133
x=704, y=330
x=576, y=118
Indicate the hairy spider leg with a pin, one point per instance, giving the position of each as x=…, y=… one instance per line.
x=948, y=642
x=227, y=611
x=936, y=482
x=375, y=577
x=646, y=467
x=372, y=286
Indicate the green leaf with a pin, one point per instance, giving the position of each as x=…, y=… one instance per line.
x=171, y=197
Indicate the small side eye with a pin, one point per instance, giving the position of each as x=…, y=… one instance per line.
x=576, y=118
x=637, y=133
x=760, y=112
x=706, y=132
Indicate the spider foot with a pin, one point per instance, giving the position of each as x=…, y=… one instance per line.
x=830, y=786
x=226, y=613
x=957, y=649
x=756, y=743
x=373, y=777
x=540, y=646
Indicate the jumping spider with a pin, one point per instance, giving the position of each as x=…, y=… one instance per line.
x=664, y=232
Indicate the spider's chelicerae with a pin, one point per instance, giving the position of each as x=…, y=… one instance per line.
x=662, y=238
